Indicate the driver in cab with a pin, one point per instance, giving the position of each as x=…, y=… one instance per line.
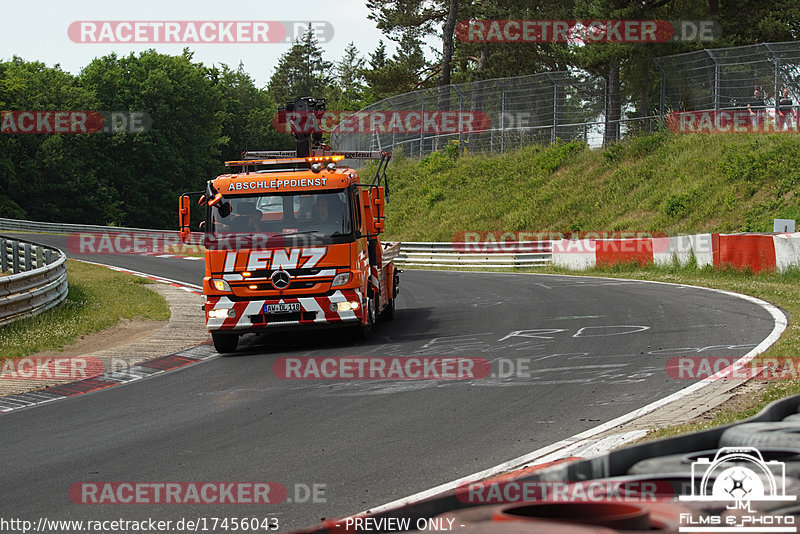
x=327, y=216
x=248, y=218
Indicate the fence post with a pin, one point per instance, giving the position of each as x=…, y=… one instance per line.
x=502, y=118
x=460, y=111
x=422, y=128
x=777, y=84
x=776, y=58
x=556, y=109
x=605, y=111
x=394, y=134
x=3, y=255
x=716, y=77
x=663, y=89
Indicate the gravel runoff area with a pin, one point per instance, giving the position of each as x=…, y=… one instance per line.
x=129, y=342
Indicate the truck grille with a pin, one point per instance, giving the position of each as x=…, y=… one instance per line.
x=283, y=317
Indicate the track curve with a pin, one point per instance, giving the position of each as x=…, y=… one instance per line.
x=579, y=352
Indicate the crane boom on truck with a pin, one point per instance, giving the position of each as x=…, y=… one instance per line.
x=293, y=242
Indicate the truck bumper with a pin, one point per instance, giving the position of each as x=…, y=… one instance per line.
x=249, y=316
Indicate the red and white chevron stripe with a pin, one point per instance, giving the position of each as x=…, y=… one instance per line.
x=247, y=310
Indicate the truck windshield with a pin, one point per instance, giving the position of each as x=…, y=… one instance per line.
x=326, y=214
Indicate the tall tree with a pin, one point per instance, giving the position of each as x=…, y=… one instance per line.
x=247, y=114
x=378, y=58
x=50, y=177
x=417, y=19
x=301, y=71
x=350, y=77
x=405, y=71
x=182, y=147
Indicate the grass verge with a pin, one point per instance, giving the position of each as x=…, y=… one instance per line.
x=663, y=182
x=98, y=299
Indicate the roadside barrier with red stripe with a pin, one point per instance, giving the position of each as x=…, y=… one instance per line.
x=757, y=252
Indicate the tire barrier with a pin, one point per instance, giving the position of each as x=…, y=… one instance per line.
x=569, y=517
x=485, y=519
x=666, y=462
x=38, y=281
x=773, y=434
x=682, y=463
x=653, y=517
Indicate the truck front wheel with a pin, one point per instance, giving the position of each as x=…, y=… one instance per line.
x=225, y=342
x=364, y=330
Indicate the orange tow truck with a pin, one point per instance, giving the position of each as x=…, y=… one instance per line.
x=293, y=241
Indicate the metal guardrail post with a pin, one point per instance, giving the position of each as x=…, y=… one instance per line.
x=14, y=257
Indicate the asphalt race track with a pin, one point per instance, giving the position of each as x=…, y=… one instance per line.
x=573, y=353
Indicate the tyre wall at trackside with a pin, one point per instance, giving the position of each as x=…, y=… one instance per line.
x=756, y=252
x=775, y=430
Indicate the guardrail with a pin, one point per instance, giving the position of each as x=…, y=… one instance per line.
x=774, y=251
x=38, y=282
x=505, y=254
x=18, y=225
x=412, y=254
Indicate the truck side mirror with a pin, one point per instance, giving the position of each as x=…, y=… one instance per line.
x=366, y=205
x=184, y=217
x=379, y=202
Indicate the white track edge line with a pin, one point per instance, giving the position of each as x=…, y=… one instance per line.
x=138, y=273
x=781, y=323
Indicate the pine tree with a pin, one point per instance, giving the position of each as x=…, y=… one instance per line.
x=302, y=71
x=377, y=59
x=350, y=73
x=400, y=74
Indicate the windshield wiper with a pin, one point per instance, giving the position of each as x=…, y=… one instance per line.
x=303, y=232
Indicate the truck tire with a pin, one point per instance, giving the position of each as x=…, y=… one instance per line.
x=364, y=331
x=388, y=312
x=225, y=343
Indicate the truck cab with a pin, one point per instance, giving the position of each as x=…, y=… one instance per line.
x=292, y=243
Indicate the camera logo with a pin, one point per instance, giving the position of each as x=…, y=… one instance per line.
x=739, y=475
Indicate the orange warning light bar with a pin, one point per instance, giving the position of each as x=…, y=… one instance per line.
x=310, y=159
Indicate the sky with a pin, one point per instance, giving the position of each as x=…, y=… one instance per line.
x=37, y=30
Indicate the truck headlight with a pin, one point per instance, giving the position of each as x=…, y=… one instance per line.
x=220, y=285
x=340, y=279
x=344, y=306
x=221, y=313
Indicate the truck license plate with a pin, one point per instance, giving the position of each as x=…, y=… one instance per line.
x=282, y=307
